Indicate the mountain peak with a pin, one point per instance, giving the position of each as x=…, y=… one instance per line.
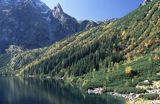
x=59, y=6
x=146, y=1
x=58, y=9
x=58, y=12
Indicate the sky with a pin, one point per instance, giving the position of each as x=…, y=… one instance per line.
x=96, y=10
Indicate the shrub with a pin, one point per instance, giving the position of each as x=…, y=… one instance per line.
x=128, y=90
x=155, y=78
x=145, y=84
x=93, y=85
x=109, y=89
x=129, y=71
x=150, y=96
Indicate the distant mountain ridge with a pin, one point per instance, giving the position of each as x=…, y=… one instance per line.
x=32, y=24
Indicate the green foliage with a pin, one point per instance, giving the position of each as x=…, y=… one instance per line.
x=118, y=54
x=4, y=60
x=117, y=80
x=144, y=84
x=128, y=90
x=109, y=89
x=150, y=96
x=98, y=48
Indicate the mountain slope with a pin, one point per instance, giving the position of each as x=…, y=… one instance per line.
x=32, y=24
x=19, y=26
x=121, y=56
x=69, y=24
x=101, y=47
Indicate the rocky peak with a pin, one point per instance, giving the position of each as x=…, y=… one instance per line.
x=32, y=24
x=13, y=50
x=62, y=16
x=58, y=8
x=146, y=1
x=58, y=11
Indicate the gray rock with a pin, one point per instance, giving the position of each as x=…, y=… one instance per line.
x=146, y=1
x=32, y=24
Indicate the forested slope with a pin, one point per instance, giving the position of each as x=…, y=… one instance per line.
x=118, y=56
x=101, y=47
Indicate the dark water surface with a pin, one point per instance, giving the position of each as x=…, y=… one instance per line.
x=15, y=90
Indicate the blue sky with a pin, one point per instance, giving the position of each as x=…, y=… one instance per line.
x=96, y=9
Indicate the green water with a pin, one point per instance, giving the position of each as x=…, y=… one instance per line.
x=15, y=90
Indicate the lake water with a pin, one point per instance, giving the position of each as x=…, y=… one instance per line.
x=15, y=90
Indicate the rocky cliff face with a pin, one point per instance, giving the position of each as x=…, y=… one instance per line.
x=26, y=23
x=32, y=24
x=146, y=1
x=70, y=24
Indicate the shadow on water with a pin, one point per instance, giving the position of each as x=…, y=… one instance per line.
x=15, y=90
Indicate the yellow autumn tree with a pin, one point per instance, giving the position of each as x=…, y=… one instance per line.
x=128, y=70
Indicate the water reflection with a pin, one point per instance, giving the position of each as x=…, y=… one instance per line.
x=15, y=90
